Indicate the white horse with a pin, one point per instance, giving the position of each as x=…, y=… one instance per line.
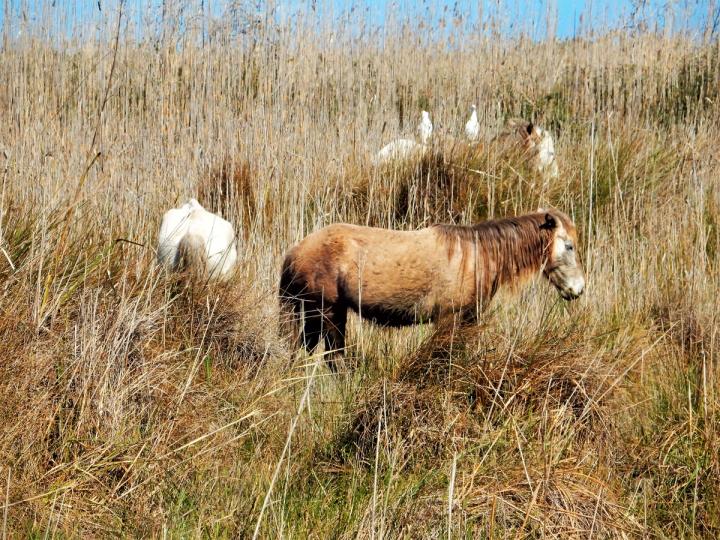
x=545, y=161
x=537, y=144
x=191, y=233
x=405, y=149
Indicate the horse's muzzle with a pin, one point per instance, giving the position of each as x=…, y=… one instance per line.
x=573, y=290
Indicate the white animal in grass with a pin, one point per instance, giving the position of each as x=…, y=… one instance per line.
x=472, y=127
x=404, y=149
x=191, y=235
x=399, y=150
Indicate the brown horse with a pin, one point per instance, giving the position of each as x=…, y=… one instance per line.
x=398, y=278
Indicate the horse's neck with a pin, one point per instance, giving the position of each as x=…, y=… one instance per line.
x=496, y=266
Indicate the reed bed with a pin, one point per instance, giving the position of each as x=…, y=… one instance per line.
x=135, y=403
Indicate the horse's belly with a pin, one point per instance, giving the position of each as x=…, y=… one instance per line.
x=393, y=316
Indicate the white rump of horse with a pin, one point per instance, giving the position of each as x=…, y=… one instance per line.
x=191, y=233
x=399, y=150
x=406, y=149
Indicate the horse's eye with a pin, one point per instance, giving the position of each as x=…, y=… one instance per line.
x=569, y=247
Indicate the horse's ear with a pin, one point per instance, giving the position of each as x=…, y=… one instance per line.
x=550, y=222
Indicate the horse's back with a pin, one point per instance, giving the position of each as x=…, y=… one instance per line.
x=340, y=248
x=398, y=150
x=345, y=239
x=385, y=275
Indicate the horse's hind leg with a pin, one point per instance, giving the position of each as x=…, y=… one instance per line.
x=312, y=329
x=334, y=332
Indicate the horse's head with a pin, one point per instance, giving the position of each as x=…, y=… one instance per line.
x=562, y=267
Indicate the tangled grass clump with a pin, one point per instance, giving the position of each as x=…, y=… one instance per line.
x=464, y=378
x=224, y=320
x=468, y=393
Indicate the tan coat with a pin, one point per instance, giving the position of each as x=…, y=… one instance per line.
x=397, y=278
x=393, y=277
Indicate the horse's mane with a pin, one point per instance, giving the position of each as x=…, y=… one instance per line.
x=508, y=249
x=502, y=228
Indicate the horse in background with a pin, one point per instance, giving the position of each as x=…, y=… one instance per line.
x=404, y=149
x=533, y=144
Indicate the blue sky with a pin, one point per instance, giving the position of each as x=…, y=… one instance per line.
x=567, y=17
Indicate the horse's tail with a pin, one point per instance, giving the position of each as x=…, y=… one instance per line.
x=289, y=292
x=191, y=257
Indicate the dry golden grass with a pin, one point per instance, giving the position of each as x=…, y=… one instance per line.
x=138, y=404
